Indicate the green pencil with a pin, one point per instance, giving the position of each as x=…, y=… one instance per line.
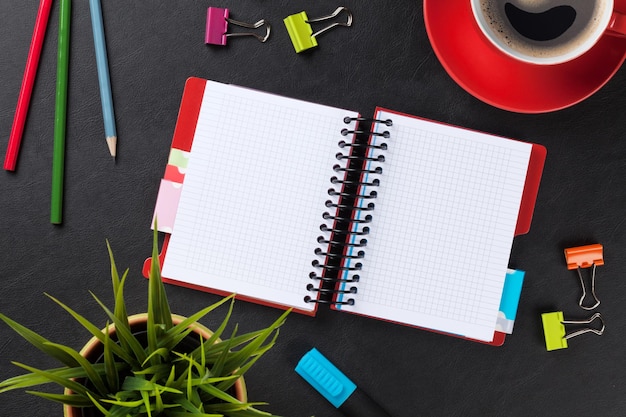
x=60, y=113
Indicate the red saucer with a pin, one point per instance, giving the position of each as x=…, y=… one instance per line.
x=497, y=79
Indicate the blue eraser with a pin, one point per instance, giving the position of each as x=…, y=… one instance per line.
x=325, y=377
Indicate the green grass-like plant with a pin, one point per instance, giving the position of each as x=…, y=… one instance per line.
x=148, y=375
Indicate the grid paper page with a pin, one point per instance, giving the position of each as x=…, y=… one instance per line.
x=443, y=227
x=254, y=194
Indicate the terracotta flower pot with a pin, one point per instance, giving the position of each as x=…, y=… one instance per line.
x=92, y=350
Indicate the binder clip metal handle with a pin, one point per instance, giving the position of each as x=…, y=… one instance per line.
x=256, y=25
x=554, y=329
x=331, y=16
x=589, y=256
x=300, y=30
x=217, y=27
x=581, y=301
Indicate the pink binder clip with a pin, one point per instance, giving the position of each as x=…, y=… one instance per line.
x=217, y=21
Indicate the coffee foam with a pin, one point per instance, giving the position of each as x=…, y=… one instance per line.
x=588, y=18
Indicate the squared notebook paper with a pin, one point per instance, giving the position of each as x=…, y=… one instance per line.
x=295, y=204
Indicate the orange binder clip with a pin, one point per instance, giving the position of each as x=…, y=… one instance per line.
x=589, y=256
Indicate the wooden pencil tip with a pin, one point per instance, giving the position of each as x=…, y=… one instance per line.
x=112, y=142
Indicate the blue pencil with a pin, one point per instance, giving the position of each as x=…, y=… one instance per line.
x=103, y=75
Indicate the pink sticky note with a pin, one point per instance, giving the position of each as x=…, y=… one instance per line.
x=167, y=205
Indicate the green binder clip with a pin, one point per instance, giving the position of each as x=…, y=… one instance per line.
x=300, y=30
x=554, y=329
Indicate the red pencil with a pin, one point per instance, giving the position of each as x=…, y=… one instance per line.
x=28, y=81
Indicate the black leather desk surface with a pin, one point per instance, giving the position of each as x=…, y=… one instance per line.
x=384, y=59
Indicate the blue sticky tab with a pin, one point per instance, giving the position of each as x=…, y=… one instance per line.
x=510, y=300
x=325, y=377
x=511, y=293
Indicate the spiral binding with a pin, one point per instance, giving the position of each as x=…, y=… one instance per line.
x=344, y=241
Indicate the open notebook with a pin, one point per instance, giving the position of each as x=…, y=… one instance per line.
x=295, y=204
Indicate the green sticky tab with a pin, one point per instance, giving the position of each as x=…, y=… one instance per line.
x=300, y=32
x=178, y=158
x=554, y=330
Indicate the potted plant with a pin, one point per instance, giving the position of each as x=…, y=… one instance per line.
x=152, y=364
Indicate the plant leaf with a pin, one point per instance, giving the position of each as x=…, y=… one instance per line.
x=120, y=309
x=126, y=404
x=118, y=287
x=139, y=384
x=246, y=366
x=31, y=379
x=111, y=371
x=156, y=288
x=177, y=333
x=162, y=352
x=91, y=372
x=39, y=342
x=255, y=347
x=189, y=408
x=74, y=386
x=218, y=393
x=158, y=306
x=158, y=371
x=124, y=335
x=94, y=330
x=146, y=401
x=99, y=406
x=201, y=352
x=71, y=400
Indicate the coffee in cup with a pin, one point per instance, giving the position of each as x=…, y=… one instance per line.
x=543, y=31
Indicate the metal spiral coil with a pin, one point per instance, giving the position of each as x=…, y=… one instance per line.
x=347, y=220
